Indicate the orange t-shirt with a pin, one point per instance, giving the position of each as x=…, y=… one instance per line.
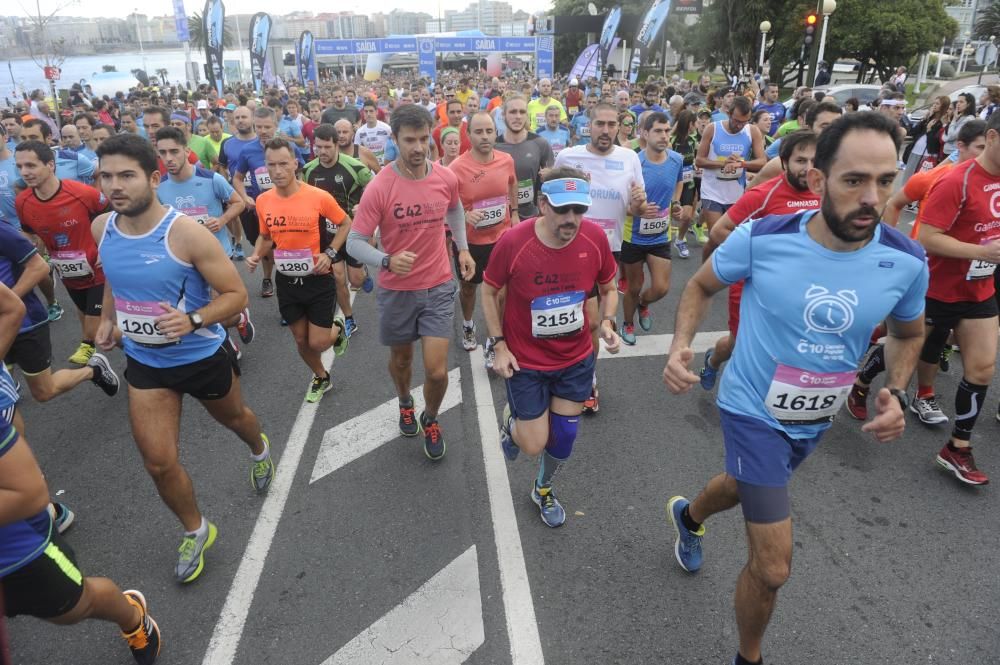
x=298, y=222
x=918, y=187
x=486, y=187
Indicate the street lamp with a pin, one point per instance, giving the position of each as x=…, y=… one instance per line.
x=829, y=6
x=765, y=27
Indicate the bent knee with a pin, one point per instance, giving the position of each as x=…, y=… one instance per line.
x=771, y=574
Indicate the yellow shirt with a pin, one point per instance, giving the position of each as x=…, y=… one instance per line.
x=536, y=112
x=463, y=96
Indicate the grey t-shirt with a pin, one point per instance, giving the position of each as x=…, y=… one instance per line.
x=533, y=154
x=332, y=115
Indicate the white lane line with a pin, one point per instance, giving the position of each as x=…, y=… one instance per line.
x=441, y=623
x=519, y=609
x=658, y=345
x=232, y=620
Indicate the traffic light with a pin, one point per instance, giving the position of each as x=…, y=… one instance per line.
x=812, y=19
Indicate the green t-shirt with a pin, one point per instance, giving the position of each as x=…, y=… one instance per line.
x=202, y=147
x=787, y=128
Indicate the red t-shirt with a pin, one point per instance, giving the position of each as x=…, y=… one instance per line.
x=464, y=144
x=965, y=204
x=544, y=320
x=918, y=187
x=573, y=99
x=63, y=224
x=308, y=132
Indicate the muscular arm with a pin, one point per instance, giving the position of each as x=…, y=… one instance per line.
x=902, y=349
x=343, y=230
x=720, y=231
x=491, y=310
x=759, y=160
x=192, y=242
x=234, y=206
x=368, y=158
x=239, y=185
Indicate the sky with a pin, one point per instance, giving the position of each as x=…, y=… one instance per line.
x=99, y=8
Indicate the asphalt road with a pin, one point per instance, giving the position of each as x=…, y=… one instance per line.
x=894, y=560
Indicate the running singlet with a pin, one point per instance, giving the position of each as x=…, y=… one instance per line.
x=530, y=156
x=410, y=216
x=200, y=197
x=808, y=316
x=726, y=188
x=486, y=188
x=965, y=204
x=545, y=323
x=611, y=180
x=229, y=156
x=374, y=138
x=63, y=224
x=296, y=225
x=345, y=180
x=252, y=163
x=8, y=177
x=15, y=252
x=661, y=181
x=143, y=272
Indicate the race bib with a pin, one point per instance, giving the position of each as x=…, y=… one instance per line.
x=977, y=270
x=294, y=262
x=137, y=321
x=263, y=179
x=71, y=264
x=525, y=192
x=609, y=226
x=539, y=119
x=585, y=131
x=801, y=397
x=557, y=315
x=730, y=173
x=494, y=211
x=653, y=227
x=197, y=213
x=687, y=175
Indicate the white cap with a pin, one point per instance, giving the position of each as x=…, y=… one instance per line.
x=574, y=82
x=202, y=104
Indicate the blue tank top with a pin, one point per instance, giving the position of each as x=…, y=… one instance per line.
x=143, y=272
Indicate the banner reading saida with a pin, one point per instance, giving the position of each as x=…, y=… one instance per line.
x=608, y=32
x=214, y=18
x=652, y=22
x=304, y=57
x=260, y=34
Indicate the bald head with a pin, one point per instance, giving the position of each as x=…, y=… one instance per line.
x=345, y=133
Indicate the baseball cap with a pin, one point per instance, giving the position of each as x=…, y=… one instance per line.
x=567, y=191
x=202, y=104
x=575, y=82
x=230, y=107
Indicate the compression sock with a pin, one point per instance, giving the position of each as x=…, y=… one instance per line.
x=969, y=400
x=740, y=660
x=874, y=365
x=562, y=434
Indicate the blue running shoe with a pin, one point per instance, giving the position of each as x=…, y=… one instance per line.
x=628, y=334
x=369, y=284
x=55, y=311
x=238, y=252
x=708, y=373
x=510, y=449
x=687, y=547
x=645, y=318
x=350, y=327
x=549, y=508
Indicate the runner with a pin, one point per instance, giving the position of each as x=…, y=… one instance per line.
x=959, y=231
x=229, y=157
x=684, y=140
x=58, y=213
x=817, y=117
x=172, y=337
x=345, y=178
x=347, y=144
x=199, y=146
x=644, y=239
x=850, y=272
x=531, y=153
x=579, y=126
x=541, y=335
x=70, y=165
x=293, y=222
x=455, y=113
x=537, y=107
x=409, y=203
x=487, y=186
x=374, y=134
x=553, y=132
x=8, y=182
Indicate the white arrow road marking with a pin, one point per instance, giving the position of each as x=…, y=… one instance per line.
x=362, y=434
x=441, y=623
x=658, y=345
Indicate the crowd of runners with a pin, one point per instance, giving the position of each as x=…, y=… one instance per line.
x=539, y=203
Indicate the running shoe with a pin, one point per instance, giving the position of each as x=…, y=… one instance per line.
x=961, y=463
x=434, y=446
x=350, y=327
x=489, y=356
x=510, y=449
x=928, y=410
x=262, y=472
x=266, y=288
x=82, y=354
x=369, y=284
x=628, y=334
x=549, y=508
x=682, y=249
x=469, y=342
x=591, y=405
x=708, y=373
x=408, y=425
x=191, y=561
x=104, y=377
x=238, y=252
x=245, y=327
x=55, y=311
x=144, y=641
x=62, y=516
x=857, y=402
x=700, y=235
x=319, y=387
x=687, y=547
x=945, y=362
x=645, y=318
x=340, y=346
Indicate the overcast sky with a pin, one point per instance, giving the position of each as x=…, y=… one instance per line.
x=96, y=8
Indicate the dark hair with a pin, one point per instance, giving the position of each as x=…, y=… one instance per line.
x=650, y=87
x=171, y=134
x=854, y=103
x=160, y=111
x=101, y=125
x=685, y=121
x=134, y=147
x=758, y=114
x=653, y=118
x=973, y=129
x=454, y=101
x=799, y=103
x=970, y=103
x=793, y=140
x=413, y=116
x=44, y=126
x=325, y=132
x=42, y=151
x=369, y=102
x=279, y=144
x=213, y=120
x=821, y=107
x=741, y=104
x=91, y=120
x=15, y=116
x=829, y=141
x=993, y=123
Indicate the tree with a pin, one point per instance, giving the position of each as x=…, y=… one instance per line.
x=45, y=52
x=162, y=73
x=196, y=26
x=988, y=24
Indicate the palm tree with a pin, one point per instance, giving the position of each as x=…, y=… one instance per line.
x=989, y=22
x=196, y=27
x=162, y=73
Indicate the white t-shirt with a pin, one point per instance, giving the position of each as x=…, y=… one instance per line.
x=611, y=180
x=374, y=138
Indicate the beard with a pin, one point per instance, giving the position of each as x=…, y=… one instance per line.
x=138, y=206
x=841, y=226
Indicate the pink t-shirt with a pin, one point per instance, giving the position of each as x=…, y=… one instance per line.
x=411, y=217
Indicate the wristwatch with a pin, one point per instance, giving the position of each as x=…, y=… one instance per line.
x=904, y=399
x=196, y=321
x=385, y=262
x=493, y=341
x=331, y=253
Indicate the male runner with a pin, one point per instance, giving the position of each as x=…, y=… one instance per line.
x=771, y=104
x=814, y=280
x=487, y=186
x=8, y=182
x=374, y=134
x=161, y=268
x=538, y=106
x=199, y=146
x=531, y=153
x=541, y=336
x=817, y=117
x=229, y=156
x=644, y=239
x=347, y=144
x=409, y=202
x=70, y=165
x=293, y=223
x=553, y=132
x=59, y=212
x=455, y=118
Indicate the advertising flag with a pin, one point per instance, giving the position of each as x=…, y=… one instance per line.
x=586, y=64
x=652, y=22
x=260, y=33
x=181, y=22
x=608, y=32
x=214, y=18
x=304, y=57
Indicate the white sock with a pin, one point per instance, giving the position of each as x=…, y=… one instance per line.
x=468, y=324
x=201, y=530
x=263, y=455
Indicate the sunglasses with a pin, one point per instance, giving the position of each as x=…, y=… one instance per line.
x=628, y=124
x=573, y=208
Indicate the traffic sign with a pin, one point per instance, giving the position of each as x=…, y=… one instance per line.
x=986, y=54
x=52, y=73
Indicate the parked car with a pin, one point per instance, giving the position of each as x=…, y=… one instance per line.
x=916, y=115
x=866, y=93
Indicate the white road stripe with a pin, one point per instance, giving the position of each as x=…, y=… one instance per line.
x=658, y=345
x=519, y=609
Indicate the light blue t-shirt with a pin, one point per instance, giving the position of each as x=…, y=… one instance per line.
x=661, y=181
x=72, y=165
x=807, y=314
x=581, y=128
x=558, y=138
x=8, y=176
x=200, y=197
x=774, y=149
